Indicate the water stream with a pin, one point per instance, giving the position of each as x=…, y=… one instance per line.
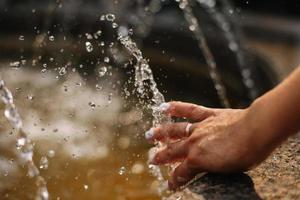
x=24, y=144
x=202, y=43
x=144, y=75
x=232, y=36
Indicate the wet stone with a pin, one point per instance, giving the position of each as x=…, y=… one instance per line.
x=276, y=178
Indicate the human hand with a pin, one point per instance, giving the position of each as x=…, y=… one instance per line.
x=220, y=141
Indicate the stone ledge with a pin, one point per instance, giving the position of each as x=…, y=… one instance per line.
x=277, y=178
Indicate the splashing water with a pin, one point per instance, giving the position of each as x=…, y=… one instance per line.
x=24, y=144
x=202, y=43
x=234, y=44
x=144, y=79
x=143, y=73
x=89, y=47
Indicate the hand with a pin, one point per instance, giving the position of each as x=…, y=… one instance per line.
x=220, y=141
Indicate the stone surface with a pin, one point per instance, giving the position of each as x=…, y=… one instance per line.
x=276, y=178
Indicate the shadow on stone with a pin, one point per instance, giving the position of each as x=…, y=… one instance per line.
x=225, y=187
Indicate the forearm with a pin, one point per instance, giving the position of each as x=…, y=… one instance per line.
x=277, y=113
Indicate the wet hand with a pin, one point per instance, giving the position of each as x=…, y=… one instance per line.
x=219, y=141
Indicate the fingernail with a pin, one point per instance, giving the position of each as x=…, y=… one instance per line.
x=164, y=107
x=149, y=134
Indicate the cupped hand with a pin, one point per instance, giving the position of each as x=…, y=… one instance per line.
x=219, y=141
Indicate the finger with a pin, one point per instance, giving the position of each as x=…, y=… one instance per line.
x=187, y=110
x=182, y=175
x=172, y=153
x=170, y=131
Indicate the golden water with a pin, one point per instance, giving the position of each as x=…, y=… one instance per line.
x=94, y=147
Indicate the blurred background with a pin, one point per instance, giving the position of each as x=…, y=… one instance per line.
x=79, y=105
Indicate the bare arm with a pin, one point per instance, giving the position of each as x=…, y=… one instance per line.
x=228, y=140
x=278, y=111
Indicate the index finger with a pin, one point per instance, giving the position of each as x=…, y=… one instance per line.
x=187, y=110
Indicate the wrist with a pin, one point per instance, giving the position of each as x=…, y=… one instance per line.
x=264, y=124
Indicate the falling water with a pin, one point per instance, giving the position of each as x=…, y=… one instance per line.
x=232, y=39
x=143, y=74
x=24, y=144
x=144, y=79
x=199, y=35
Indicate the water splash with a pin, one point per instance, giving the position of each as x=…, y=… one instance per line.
x=89, y=47
x=202, y=43
x=225, y=23
x=144, y=79
x=143, y=74
x=24, y=145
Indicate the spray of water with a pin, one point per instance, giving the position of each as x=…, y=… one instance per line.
x=144, y=75
x=24, y=145
x=225, y=23
x=202, y=43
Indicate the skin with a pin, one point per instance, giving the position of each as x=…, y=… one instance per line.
x=227, y=140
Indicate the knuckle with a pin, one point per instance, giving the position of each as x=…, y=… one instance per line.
x=192, y=140
x=193, y=108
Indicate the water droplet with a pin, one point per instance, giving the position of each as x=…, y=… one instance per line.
x=89, y=36
x=106, y=59
x=102, y=71
x=30, y=97
x=192, y=27
x=233, y=46
x=51, y=153
x=98, y=87
x=110, y=17
x=21, y=142
x=44, y=163
x=114, y=25
x=99, y=32
x=102, y=17
x=42, y=193
x=62, y=71
x=122, y=170
x=23, y=62
x=123, y=31
x=6, y=173
x=15, y=64
x=21, y=37
x=92, y=104
x=183, y=4
x=51, y=38
x=110, y=98
x=89, y=46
